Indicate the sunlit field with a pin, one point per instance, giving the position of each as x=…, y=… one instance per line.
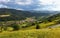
x=44, y=30
x=40, y=33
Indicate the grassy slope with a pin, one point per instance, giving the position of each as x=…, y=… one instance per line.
x=33, y=33
x=41, y=33
x=42, y=25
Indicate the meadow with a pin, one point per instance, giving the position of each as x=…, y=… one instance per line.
x=31, y=32
x=34, y=33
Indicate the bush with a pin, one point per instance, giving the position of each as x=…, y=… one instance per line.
x=37, y=25
x=15, y=27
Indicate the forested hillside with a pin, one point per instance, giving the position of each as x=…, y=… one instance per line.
x=55, y=17
x=19, y=14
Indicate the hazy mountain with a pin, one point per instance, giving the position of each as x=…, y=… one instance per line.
x=20, y=14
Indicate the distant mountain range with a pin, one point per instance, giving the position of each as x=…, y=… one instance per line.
x=21, y=14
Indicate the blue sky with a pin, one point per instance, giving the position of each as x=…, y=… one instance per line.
x=31, y=4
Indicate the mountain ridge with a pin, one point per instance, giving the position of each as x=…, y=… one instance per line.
x=20, y=14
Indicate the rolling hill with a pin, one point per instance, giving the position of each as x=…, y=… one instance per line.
x=54, y=17
x=19, y=14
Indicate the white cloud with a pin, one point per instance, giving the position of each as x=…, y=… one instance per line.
x=26, y=2
x=3, y=6
x=20, y=2
x=40, y=4
x=4, y=1
x=50, y=4
x=46, y=2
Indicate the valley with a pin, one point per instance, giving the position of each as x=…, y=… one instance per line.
x=29, y=24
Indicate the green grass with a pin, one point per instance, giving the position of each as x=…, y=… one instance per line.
x=32, y=32
x=42, y=25
x=45, y=25
x=40, y=33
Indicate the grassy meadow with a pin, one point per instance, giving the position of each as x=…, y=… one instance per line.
x=40, y=33
x=32, y=32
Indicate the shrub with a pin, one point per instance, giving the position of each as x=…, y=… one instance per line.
x=15, y=27
x=37, y=25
